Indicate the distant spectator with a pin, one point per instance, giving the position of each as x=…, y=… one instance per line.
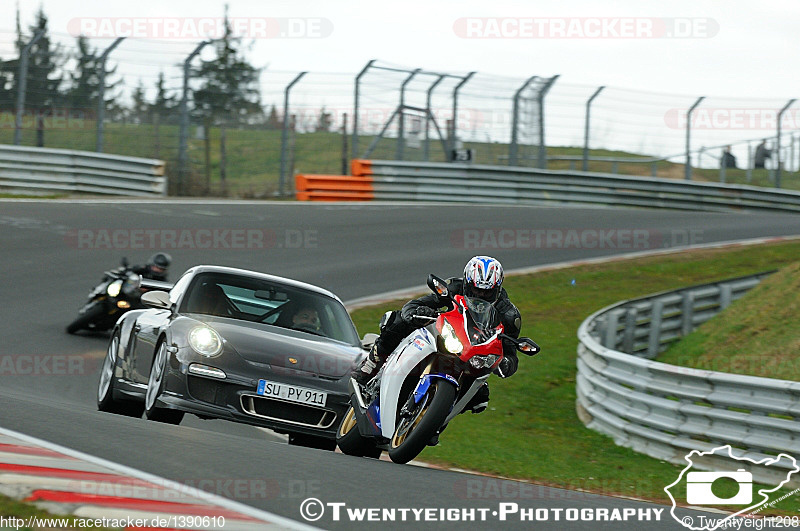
x=728, y=159
x=762, y=154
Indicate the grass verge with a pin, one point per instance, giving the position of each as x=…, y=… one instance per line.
x=751, y=336
x=531, y=430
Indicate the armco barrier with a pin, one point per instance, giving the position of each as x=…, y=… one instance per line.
x=44, y=171
x=666, y=411
x=419, y=181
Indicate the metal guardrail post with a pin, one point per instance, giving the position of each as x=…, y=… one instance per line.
x=285, y=131
x=542, y=157
x=401, y=131
x=428, y=112
x=654, y=337
x=455, y=114
x=22, y=77
x=356, y=105
x=585, y=166
x=687, y=312
x=512, y=148
x=101, y=94
x=184, y=129
x=778, y=142
x=688, y=168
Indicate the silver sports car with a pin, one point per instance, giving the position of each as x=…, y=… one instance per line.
x=227, y=343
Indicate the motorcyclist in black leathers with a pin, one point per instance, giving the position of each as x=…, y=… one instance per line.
x=156, y=268
x=483, y=278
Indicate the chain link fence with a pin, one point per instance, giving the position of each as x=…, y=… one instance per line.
x=316, y=122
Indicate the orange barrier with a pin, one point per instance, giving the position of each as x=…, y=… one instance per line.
x=360, y=167
x=333, y=188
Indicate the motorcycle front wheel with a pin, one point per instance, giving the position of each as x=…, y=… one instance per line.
x=413, y=432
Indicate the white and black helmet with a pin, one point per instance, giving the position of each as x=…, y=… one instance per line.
x=483, y=278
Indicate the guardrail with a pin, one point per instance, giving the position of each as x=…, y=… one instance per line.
x=43, y=171
x=666, y=411
x=442, y=182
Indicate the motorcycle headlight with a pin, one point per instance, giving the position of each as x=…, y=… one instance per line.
x=114, y=288
x=480, y=362
x=205, y=341
x=451, y=342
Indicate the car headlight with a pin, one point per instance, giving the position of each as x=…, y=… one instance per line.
x=479, y=362
x=205, y=340
x=114, y=288
x=451, y=342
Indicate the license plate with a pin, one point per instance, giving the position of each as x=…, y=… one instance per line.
x=291, y=393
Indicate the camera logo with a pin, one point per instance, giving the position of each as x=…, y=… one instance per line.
x=698, y=488
x=733, y=488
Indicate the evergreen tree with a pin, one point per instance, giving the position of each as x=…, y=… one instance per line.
x=139, y=111
x=230, y=93
x=274, y=121
x=165, y=104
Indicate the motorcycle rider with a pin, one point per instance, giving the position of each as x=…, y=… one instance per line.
x=483, y=279
x=156, y=268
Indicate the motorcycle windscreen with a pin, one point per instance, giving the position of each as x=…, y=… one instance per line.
x=482, y=320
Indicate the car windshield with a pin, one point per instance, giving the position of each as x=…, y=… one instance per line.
x=270, y=302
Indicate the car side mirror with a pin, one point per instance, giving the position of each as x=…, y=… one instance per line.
x=527, y=346
x=438, y=286
x=156, y=299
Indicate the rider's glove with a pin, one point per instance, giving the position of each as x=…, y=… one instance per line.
x=505, y=369
x=423, y=311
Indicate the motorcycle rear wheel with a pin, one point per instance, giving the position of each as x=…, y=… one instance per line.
x=413, y=433
x=83, y=321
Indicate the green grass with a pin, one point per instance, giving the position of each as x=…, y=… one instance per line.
x=10, y=507
x=753, y=336
x=254, y=154
x=531, y=430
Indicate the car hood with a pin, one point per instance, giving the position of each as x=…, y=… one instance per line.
x=287, y=350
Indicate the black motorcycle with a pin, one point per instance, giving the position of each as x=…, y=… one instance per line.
x=118, y=292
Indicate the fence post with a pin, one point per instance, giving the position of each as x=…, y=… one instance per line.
x=512, y=148
x=183, y=143
x=585, y=166
x=655, y=329
x=455, y=115
x=778, y=142
x=749, y=163
x=542, y=158
x=101, y=94
x=401, y=130
x=344, y=145
x=356, y=104
x=688, y=168
x=428, y=112
x=285, y=131
x=22, y=81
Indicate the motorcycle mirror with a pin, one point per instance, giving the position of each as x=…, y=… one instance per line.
x=527, y=346
x=156, y=299
x=438, y=286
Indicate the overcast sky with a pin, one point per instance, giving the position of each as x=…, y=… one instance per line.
x=725, y=48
